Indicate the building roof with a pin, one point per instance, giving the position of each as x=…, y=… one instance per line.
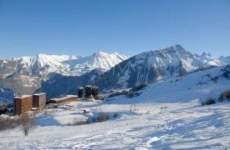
x=39, y=94
x=63, y=98
x=23, y=96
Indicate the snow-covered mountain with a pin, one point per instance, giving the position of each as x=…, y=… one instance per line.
x=208, y=59
x=155, y=65
x=144, y=68
x=25, y=74
x=100, y=60
x=43, y=64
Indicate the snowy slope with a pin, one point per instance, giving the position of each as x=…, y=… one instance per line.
x=200, y=85
x=167, y=115
x=178, y=126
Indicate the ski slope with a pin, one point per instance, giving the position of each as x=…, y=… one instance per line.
x=150, y=126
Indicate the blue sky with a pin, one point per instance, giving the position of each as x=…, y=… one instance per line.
x=81, y=27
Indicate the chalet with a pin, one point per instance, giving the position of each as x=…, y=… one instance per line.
x=81, y=92
x=95, y=91
x=88, y=92
x=68, y=98
x=39, y=100
x=22, y=104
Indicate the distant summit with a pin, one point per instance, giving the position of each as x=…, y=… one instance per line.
x=100, y=60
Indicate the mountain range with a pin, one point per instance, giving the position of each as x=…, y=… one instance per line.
x=24, y=75
x=63, y=74
x=152, y=66
x=144, y=68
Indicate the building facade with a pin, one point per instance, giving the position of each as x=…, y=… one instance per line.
x=22, y=104
x=39, y=100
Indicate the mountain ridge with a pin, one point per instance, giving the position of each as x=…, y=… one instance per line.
x=148, y=67
x=25, y=75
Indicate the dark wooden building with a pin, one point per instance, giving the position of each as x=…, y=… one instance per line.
x=81, y=92
x=39, y=100
x=88, y=92
x=95, y=91
x=22, y=104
